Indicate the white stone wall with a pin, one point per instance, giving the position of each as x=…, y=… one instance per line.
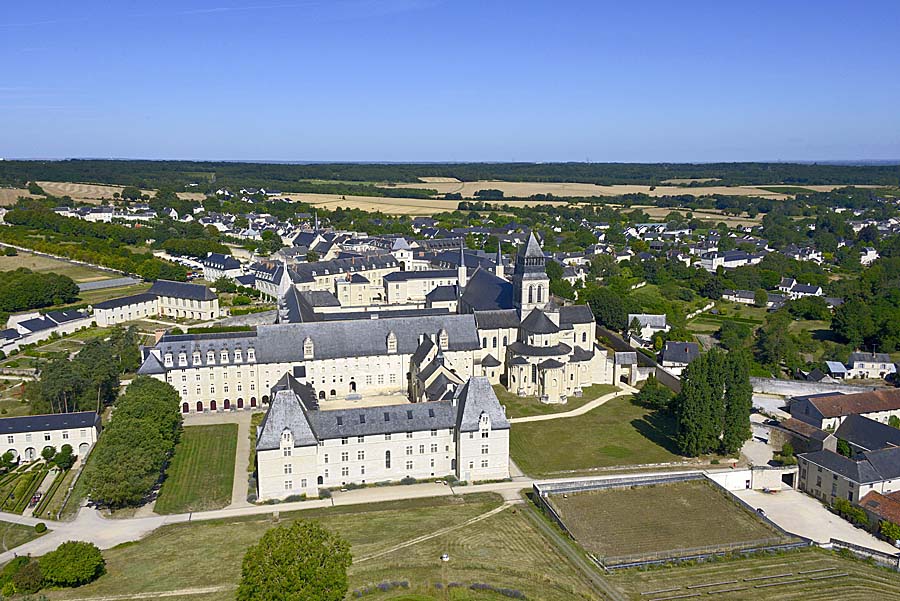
x=28, y=445
x=474, y=464
x=111, y=317
x=188, y=308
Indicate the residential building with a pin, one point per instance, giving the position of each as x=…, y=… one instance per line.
x=26, y=436
x=676, y=356
x=828, y=476
x=827, y=411
x=870, y=366
x=165, y=298
x=217, y=265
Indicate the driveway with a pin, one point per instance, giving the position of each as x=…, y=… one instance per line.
x=802, y=515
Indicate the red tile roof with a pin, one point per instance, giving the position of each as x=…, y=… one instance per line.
x=886, y=508
x=863, y=402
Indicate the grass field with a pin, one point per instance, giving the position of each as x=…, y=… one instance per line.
x=42, y=264
x=97, y=296
x=657, y=519
x=517, y=406
x=863, y=582
x=616, y=433
x=13, y=535
x=201, y=474
x=504, y=550
x=10, y=196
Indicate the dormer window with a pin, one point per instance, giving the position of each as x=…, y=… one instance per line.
x=251, y=354
x=223, y=356
x=484, y=421
x=287, y=438
x=167, y=360
x=308, y=348
x=391, y=342
x=210, y=357
x=443, y=339
x=196, y=358
x=238, y=356
x=182, y=358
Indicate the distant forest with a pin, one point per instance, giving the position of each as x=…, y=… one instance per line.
x=348, y=178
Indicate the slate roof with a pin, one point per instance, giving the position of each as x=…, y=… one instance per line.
x=285, y=412
x=492, y=320
x=442, y=294
x=869, y=358
x=37, y=324
x=837, y=405
x=886, y=462
x=550, y=364
x=490, y=361
x=575, y=314
x=520, y=348
x=387, y=419
x=800, y=427
x=9, y=334
x=860, y=471
x=440, y=389
x=868, y=434
x=532, y=248
x=53, y=421
x=220, y=261
x=485, y=291
x=580, y=354
x=474, y=398
x=405, y=276
x=126, y=300
x=151, y=365
x=680, y=352
x=537, y=322
x=65, y=316
x=319, y=298
x=172, y=289
x=647, y=319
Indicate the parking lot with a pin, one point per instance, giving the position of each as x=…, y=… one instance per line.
x=804, y=516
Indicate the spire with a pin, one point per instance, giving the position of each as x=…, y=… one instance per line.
x=461, y=273
x=532, y=248
x=316, y=229
x=498, y=268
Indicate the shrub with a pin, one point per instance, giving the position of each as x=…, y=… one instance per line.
x=295, y=498
x=40, y=527
x=27, y=580
x=407, y=480
x=324, y=493
x=72, y=564
x=10, y=569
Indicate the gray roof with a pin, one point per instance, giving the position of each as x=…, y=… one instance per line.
x=220, y=261
x=647, y=319
x=532, y=248
x=359, y=338
x=151, y=365
x=172, y=289
x=486, y=292
x=869, y=358
x=680, y=352
x=520, y=348
x=37, y=324
x=550, y=364
x=575, y=314
x=403, y=276
x=860, y=471
x=580, y=354
x=443, y=294
x=319, y=298
x=126, y=300
x=53, y=421
x=285, y=413
x=388, y=419
x=65, y=316
x=537, y=322
x=441, y=388
x=868, y=434
x=476, y=397
x=626, y=358
x=490, y=361
x=9, y=334
x=886, y=462
x=492, y=320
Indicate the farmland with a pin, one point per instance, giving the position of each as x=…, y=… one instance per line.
x=658, y=519
x=9, y=196
x=94, y=193
x=504, y=549
x=395, y=206
x=202, y=470
x=805, y=574
x=45, y=264
x=617, y=433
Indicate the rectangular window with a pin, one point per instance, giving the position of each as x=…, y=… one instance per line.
x=421, y=449
x=10, y=439
x=432, y=462
x=362, y=470
x=434, y=448
x=409, y=465
x=360, y=439
x=485, y=433
x=484, y=463
x=345, y=440
x=47, y=436
x=28, y=437
x=326, y=458
x=288, y=468
x=360, y=455
x=287, y=451
x=409, y=450
x=387, y=436
x=484, y=449
x=434, y=432
x=345, y=471
x=303, y=483
x=409, y=434
x=288, y=484
x=345, y=456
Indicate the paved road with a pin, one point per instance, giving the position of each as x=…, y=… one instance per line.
x=626, y=389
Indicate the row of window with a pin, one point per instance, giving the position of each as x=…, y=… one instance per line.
x=11, y=438
x=362, y=439
x=210, y=357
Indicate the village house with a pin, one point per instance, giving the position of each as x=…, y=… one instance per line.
x=827, y=411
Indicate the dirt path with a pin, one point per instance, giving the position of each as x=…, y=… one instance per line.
x=626, y=389
x=158, y=594
x=435, y=534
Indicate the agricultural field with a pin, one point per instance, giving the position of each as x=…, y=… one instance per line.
x=517, y=406
x=99, y=295
x=659, y=520
x=9, y=196
x=394, y=206
x=44, y=264
x=94, y=193
x=503, y=549
x=568, y=189
x=618, y=433
x=13, y=535
x=201, y=473
x=810, y=573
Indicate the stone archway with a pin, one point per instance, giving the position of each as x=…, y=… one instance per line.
x=30, y=454
x=199, y=406
x=226, y=405
x=185, y=407
x=240, y=403
x=352, y=386
x=83, y=449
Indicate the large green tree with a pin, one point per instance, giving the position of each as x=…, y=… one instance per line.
x=300, y=562
x=738, y=403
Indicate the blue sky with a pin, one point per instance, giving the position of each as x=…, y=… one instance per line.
x=460, y=80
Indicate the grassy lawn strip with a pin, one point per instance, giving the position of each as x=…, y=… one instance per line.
x=517, y=406
x=13, y=535
x=202, y=470
x=864, y=581
x=616, y=433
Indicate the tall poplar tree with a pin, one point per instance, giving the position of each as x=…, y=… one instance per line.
x=738, y=403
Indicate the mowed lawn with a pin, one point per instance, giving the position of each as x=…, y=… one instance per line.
x=13, y=535
x=42, y=264
x=657, y=519
x=819, y=574
x=201, y=473
x=517, y=406
x=618, y=432
x=504, y=550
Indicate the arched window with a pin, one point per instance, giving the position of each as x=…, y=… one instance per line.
x=584, y=336
x=495, y=342
x=387, y=460
x=321, y=394
x=505, y=341
x=533, y=372
x=484, y=342
x=531, y=294
x=540, y=289
x=308, y=348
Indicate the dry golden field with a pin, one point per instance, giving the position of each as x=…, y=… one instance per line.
x=526, y=189
x=713, y=215
x=93, y=193
x=439, y=180
x=396, y=206
x=687, y=180
x=9, y=196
